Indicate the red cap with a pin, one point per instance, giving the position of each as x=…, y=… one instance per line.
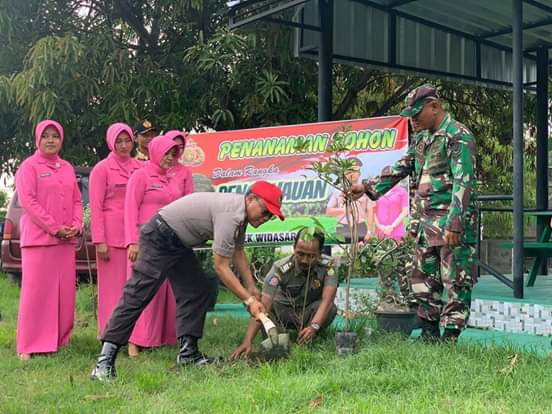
x=271, y=195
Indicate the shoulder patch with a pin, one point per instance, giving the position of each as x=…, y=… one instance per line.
x=274, y=281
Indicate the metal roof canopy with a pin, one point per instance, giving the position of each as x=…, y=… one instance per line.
x=495, y=43
x=467, y=41
x=245, y=12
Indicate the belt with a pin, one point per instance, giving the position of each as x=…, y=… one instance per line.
x=164, y=228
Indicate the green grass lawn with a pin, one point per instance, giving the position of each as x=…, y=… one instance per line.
x=389, y=374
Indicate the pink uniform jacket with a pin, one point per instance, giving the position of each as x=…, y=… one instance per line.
x=108, y=185
x=50, y=197
x=149, y=189
x=179, y=175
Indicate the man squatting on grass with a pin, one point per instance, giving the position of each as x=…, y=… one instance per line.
x=443, y=160
x=298, y=292
x=166, y=243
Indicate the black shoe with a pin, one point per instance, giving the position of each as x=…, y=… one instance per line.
x=189, y=354
x=451, y=335
x=105, y=365
x=430, y=330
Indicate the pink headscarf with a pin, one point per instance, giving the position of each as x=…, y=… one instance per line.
x=173, y=134
x=42, y=125
x=111, y=136
x=157, y=148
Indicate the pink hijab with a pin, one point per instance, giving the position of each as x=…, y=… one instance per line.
x=111, y=135
x=157, y=148
x=42, y=125
x=173, y=134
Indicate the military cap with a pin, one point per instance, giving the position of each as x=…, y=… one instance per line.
x=416, y=98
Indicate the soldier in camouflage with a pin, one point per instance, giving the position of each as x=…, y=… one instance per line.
x=443, y=160
x=298, y=292
x=412, y=228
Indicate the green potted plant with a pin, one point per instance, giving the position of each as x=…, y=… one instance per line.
x=391, y=260
x=335, y=171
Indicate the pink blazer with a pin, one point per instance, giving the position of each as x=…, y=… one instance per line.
x=147, y=192
x=180, y=177
x=108, y=185
x=50, y=198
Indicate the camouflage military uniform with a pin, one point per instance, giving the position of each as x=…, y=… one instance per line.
x=406, y=266
x=444, y=164
x=288, y=286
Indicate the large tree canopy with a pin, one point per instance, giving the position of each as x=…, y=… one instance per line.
x=89, y=63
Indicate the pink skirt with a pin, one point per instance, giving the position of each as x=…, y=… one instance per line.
x=156, y=326
x=111, y=280
x=47, y=299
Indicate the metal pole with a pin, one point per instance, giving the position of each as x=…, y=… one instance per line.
x=325, y=63
x=542, y=143
x=517, y=80
x=325, y=55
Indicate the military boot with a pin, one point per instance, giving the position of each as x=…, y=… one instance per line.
x=105, y=365
x=430, y=330
x=451, y=335
x=189, y=354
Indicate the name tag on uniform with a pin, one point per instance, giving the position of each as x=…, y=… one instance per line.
x=45, y=174
x=120, y=185
x=156, y=186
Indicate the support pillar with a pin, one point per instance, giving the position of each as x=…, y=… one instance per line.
x=517, y=80
x=325, y=60
x=542, y=143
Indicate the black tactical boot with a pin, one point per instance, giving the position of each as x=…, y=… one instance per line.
x=430, y=330
x=189, y=354
x=105, y=365
x=451, y=335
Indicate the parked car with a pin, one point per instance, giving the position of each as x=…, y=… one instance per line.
x=10, y=250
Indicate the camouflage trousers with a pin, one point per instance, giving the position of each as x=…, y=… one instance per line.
x=437, y=268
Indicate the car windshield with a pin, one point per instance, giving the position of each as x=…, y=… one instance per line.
x=82, y=181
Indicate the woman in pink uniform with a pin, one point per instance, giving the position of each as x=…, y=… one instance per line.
x=149, y=189
x=52, y=219
x=180, y=175
x=108, y=184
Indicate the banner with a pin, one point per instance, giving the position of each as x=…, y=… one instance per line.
x=231, y=161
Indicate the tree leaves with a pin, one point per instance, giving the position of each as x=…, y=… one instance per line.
x=271, y=88
x=89, y=64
